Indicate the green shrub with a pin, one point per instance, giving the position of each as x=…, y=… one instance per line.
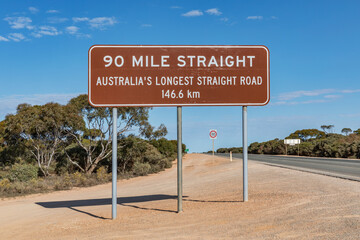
x=23, y=172
x=256, y=148
x=64, y=182
x=140, y=157
x=141, y=169
x=102, y=175
x=329, y=145
x=228, y=150
x=166, y=163
x=19, y=187
x=306, y=148
x=166, y=147
x=79, y=179
x=5, y=184
x=157, y=161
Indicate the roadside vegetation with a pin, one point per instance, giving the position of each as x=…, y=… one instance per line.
x=55, y=147
x=314, y=143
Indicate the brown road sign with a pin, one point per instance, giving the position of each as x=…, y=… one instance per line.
x=122, y=75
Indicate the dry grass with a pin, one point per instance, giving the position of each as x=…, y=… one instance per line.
x=53, y=183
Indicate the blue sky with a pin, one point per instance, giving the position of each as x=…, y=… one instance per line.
x=314, y=57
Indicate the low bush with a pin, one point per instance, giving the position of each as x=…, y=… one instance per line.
x=140, y=157
x=141, y=169
x=227, y=150
x=22, y=172
x=5, y=183
x=330, y=145
x=51, y=183
x=136, y=157
x=166, y=147
x=102, y=174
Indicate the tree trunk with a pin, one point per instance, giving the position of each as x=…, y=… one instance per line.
x=91, y=169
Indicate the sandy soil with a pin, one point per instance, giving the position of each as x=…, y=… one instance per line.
x=283, y=204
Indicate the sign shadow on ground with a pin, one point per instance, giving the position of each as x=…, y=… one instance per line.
x=124, y=201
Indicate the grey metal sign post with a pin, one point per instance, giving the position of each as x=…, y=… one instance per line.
x=213, y=147
x=179, y=158
x=245, y=154
x=114, y=164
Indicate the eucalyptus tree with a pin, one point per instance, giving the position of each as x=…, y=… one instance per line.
x=94, y=136
x=327, y=128
x=42, y=129
x=306, y=134
x=346, y=131
x=324, y=127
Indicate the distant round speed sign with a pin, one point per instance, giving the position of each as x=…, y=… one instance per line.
x=213, y=134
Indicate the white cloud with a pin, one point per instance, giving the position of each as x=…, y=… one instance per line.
x=80, y=19
x=49, y=30
x=274, y=17
x=35, y=34
x=333, y=96
x=254, y=18
x=46, y=30
x=33, y=10
x=350, y=91
x=300, y=102
x=224, y=19
x=146, y=25
x=52, y=11
x=19, y=22
x=351, y=115
x=323, y=95
x=82, y=35
x=56, y=20
x=72, y=29
x=175, y=7
x=99, y=22
x=213, y=11
x=102, y=22
x=16, y=37
x=192, y=13
x=8, y=104
x=3, y=39
x=297, y=94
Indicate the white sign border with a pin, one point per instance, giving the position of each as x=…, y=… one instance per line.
x=179, y=46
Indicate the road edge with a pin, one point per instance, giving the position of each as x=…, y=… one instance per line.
x=329, y=174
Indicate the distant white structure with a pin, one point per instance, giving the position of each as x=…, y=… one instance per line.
x=292, y=141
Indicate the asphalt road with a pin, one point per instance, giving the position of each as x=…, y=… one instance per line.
x=344, y=168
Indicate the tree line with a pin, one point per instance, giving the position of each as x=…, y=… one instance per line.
x=314, y=142
x=54, y=139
